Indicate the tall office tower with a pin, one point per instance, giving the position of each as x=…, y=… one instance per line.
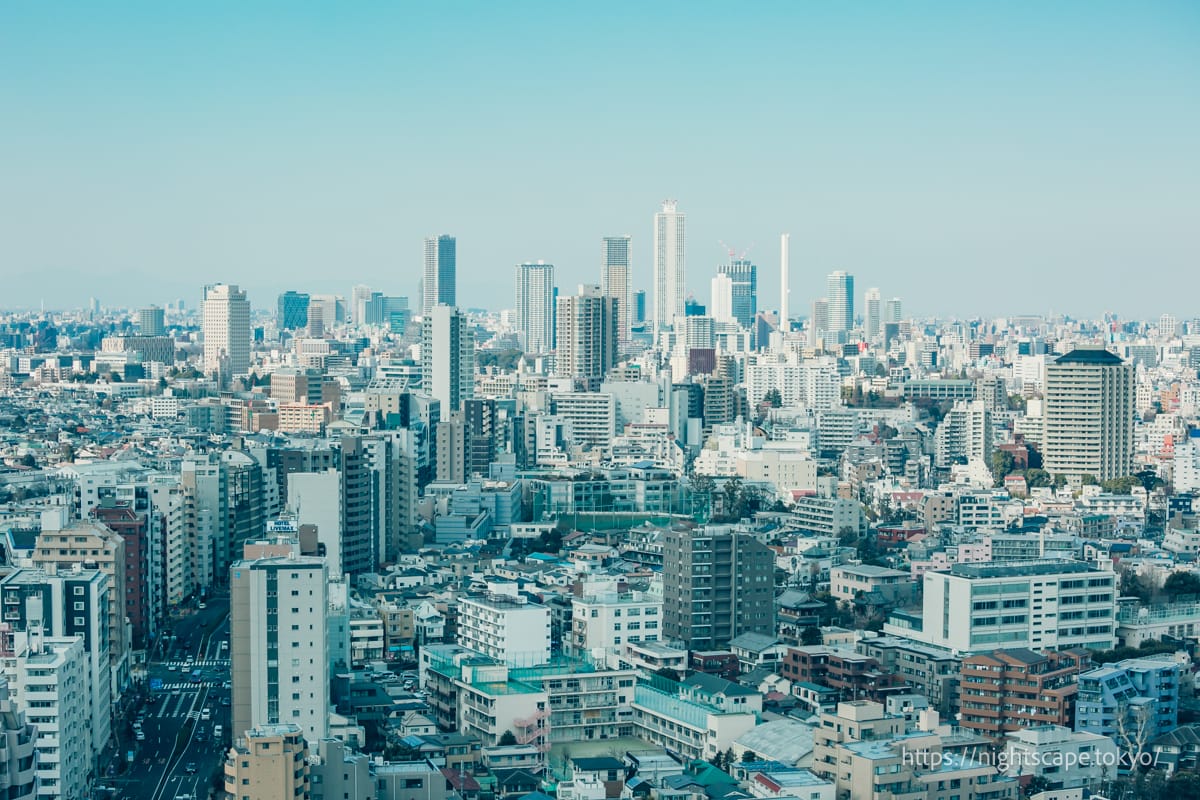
x=1088, y=419
x=721, y=306
x=784, y=292
x=717, y=584
x=840, y=287
x=820, y=322
x=479, y=441
x=18, y=746
x=269, y=762
x=873, y=304
x=224, y=505
x=744, y=277
x=278, y=645
x=441, y=258
x=447, y=357
x=291, y=311
x=615, y=282
x=669, y=274
x=225, y=320
x=151, y=321
x=359, y=296
x=639, y=306
x=587, y=337
x=360, y=546
x=893, y=311
x=535, y=306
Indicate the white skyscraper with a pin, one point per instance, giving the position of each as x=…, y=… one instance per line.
x=841, y=301
x=784, y=291
x=873, y=302
x=722, y=299
x=225, y=319
x=535, y=306
x=278, y=645
x=669, y=277
x=615, y=282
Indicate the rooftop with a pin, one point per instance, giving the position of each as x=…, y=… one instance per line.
x=1019, y=568
x=1089, y=356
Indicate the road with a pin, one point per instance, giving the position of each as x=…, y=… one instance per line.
x=179, y=756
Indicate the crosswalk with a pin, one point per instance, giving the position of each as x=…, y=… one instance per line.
x=170, y=687
x=206, y=664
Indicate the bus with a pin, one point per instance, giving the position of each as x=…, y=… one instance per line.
x=195, y=676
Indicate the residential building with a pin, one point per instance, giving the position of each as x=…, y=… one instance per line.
x=1062, y=758
x=616, y=282
x=717, y=584
x=853, y=721
x=586, y=337
x=268, y=762
x=604, y=621
x=840, y=295
x=447, y=357
x=506, y=627
x=1134, y=700
x=1088, y=416
x=670, y=285
x=279, y=649
x=18, y=749
x=698, y=718
x=440, y=276
x=1007, y=690
x=931, y=671
x=225, y=323
x=535, y=306
x=872, y=314
x=151, y=321
x=852, y=581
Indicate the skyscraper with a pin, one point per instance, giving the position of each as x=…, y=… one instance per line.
x=225, y=320
x=151, y=322
x=535, y=306
x=717, y=584
x=819, y=325
x=669, y=275
x=744, y=297
x=359, y=296
x=873, y=322
x=292, y=311
x=840, y=286
x=441, y=258
x=639, y=306
x=721, y=305
x=784, y=292
x=278, y=646
x=1089, y=415
x=614, y=282
x=447, y=357
x=587, y=337
x=893, y=311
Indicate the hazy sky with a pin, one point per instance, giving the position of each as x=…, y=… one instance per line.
x=971, y=158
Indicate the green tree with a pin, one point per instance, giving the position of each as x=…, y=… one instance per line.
x=811, y=636
x=1134, y=586
x=28, y=460
x=507, y=739
x=1038, y=478
x=1180, y=583
x=1088, y=480
x=749, y=756
x=1122, y=485
x=668, y=673
x=1001, y=463
x=773, y=399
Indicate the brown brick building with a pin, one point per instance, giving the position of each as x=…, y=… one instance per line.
x=1007, y=690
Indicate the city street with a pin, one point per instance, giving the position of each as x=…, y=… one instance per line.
x=188, y=697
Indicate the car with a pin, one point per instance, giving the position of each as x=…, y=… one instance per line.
x=190, y=769
x=170, y=668
x=203, y=606
x=225, y=701
x=206, y=714
x=141, y=737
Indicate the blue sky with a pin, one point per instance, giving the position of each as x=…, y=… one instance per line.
x=970, y=158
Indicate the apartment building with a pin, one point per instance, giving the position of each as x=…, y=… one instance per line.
x=1063, y=758
x=18, y=776
x=930, y=671
x=852, y=580
x=853, y=721
x=698, y=718
x=268, y=762
x=1089, y=414
x=1034, y=604
x=1135, y=698
x=1008, y=690
x=604, y=621
x=507, y=627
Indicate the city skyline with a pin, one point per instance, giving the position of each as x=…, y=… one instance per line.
x=1050, y=149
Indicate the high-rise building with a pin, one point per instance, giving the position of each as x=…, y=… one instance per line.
x=615, y=282
x=873, y=307
x=893, y=311
x=840, y=292
x=819, y=325
x=359, y=296
x=717, y=584
x=1007, y=690
x=441, y=258
x=721, y=307
x=669, y=266
x=225, y=317
x=278, y=645
x=639, y=306
x=784, y=290
x=447, y=357
x=587, y=337
x=744, y=299
x=268, y=762
x=18, y=747
x=1088, y=418
x=535, y=306
x=151, y=321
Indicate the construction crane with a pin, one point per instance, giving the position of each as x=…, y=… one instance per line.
x=733, y=256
